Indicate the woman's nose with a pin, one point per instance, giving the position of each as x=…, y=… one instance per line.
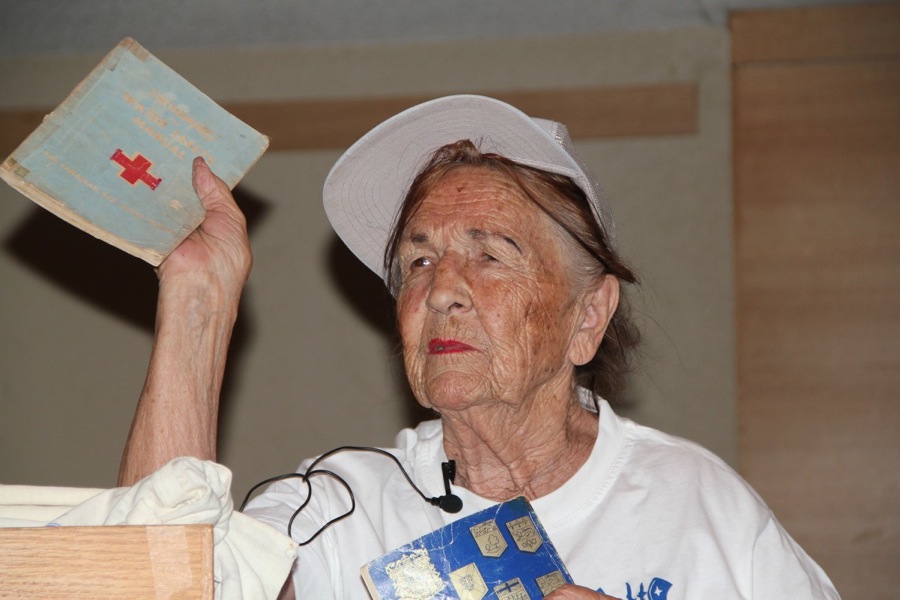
x=449, y=291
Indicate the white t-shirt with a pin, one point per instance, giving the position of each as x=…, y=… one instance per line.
x=647, y=516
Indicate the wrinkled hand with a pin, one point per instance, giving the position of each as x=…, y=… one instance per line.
x=219, y=249
x=576, y=592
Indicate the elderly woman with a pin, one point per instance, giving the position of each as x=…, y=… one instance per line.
x=500, y=251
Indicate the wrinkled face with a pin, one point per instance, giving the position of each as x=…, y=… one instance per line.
x=486, y=310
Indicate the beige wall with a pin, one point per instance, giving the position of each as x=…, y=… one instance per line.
x=312, y=366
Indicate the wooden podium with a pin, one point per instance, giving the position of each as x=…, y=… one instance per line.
x=158, y=561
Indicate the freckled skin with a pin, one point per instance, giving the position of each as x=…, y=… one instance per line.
x=513, y=305
x=482, y=265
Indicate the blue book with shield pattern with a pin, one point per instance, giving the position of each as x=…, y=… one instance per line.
x=114, y=159
x=500, y=553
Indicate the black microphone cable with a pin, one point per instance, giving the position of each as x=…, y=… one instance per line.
x=449, y=502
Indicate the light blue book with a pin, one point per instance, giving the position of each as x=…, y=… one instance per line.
x=114, y=159
x=501, y=553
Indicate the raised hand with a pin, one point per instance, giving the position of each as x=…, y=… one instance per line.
x=219, y=248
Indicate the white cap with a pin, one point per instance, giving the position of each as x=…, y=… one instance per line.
x=366, y=186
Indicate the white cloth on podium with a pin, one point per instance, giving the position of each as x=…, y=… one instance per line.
x=252, y=559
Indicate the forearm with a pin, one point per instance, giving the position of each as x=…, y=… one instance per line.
x=177, y=413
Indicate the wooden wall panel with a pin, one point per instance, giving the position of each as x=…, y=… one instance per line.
x=817, y=191
x=838, y=32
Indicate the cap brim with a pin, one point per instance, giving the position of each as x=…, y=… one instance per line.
x=366, y=186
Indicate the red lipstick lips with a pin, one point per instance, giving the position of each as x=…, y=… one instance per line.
x=437, y=346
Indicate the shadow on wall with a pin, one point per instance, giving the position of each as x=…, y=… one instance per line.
x=367, y=294
x=95, y=272
x=86, y=268
x=117, y=283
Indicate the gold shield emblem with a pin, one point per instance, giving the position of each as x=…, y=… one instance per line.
x=469, y=583
x=550, y=582
x=525, y=534
x=511, y=590
x=489, y=539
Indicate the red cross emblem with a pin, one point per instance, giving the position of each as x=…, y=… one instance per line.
x=135, y=169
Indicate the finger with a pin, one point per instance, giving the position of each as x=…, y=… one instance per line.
x=573, y=592
x=212, y=191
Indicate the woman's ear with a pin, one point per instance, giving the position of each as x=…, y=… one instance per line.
x=599, y=305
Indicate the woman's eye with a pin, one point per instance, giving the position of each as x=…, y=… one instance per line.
x=422, y=261
x=489, y=257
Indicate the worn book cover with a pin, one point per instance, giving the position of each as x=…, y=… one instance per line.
x=115, y=157
x=501, y=553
